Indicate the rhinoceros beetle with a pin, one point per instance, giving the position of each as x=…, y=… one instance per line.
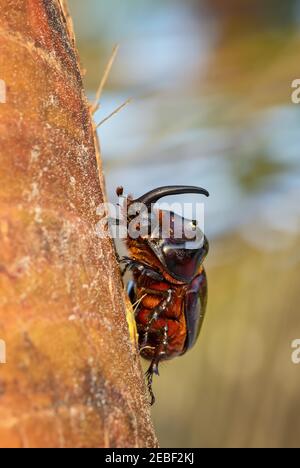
x=169, y=286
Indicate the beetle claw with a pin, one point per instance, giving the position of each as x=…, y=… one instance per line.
x=149, y=377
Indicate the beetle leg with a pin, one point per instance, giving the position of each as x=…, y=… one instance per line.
x=144, y=270
x=158, y=310
x=123, y=272
x=153, y=368
x=128, y=264
x=150, y=273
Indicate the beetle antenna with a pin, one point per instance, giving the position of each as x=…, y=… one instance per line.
x=154, y=195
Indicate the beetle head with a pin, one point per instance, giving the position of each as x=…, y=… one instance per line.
x=183, y=250
x=178, y=243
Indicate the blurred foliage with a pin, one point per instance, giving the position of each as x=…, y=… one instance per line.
x=254, y=172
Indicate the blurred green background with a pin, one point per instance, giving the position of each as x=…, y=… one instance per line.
x=211, y=87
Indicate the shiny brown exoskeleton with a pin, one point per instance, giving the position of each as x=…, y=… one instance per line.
x=169, y=287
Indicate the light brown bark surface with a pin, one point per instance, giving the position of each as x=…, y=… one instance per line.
x=72, y=377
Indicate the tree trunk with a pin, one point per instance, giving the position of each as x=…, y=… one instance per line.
x=72, y=376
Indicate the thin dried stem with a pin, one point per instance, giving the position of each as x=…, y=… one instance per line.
x=104, y=78
x=137, y=303
x=114, y=112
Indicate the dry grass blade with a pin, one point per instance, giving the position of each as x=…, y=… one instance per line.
x=104, y=78
x=118, y=109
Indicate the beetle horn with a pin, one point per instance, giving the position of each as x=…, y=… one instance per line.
x=154, y=195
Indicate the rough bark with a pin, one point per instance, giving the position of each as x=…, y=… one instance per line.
x=72, y=377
